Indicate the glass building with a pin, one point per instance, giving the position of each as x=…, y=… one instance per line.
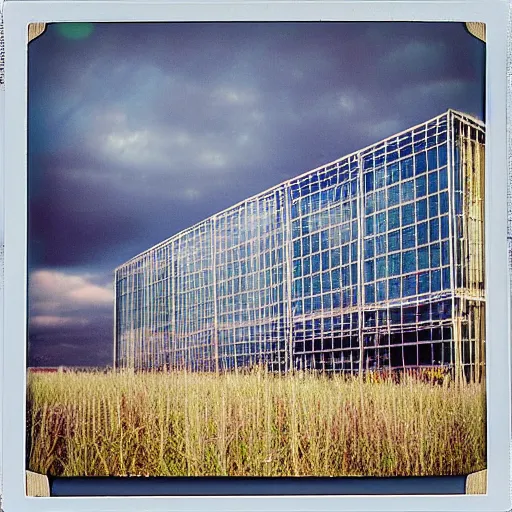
x=373, y=261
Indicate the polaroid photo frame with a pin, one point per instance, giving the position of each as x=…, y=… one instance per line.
x=25, y=20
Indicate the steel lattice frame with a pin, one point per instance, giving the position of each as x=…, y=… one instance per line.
x=372, y=261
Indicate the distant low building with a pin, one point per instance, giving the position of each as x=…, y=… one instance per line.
x=373, y=261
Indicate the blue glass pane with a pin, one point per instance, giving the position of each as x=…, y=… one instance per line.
x=335, y=257
x=369, y=271
x=381, y=290
x=445, y=227
x=354, y=296
x=315, y=263
x=381, y=267
x=432, y=182
x=421, y=186
x=408, y=237
x=393, y=241
x=393, y=173
x=336, y=300
x=408, y=261
x=316, y=282
x=369, y=227
x=423, y=258
x=354, y=230
x=380, y=220
x=432, y=159
x=435, y=260
x=325, y=239
x=369, y=248
x=408, y=191
x=353, y=251
x=443, y=178
x=442, y=155
x=446, y=278
x=420, y=145
x=315, y=242
x=443, y=202
x=345, y=257
x=325, y=260
x=394, y=218
x=335, y=279
x=445, y=252
x=393, y=195
x=305, y=246
x=434, y=230
x=408, y=214
x=353, y=272
x=392, y=156
x=421, y=210
x=326, y=282
x=345, y=276
x=307, y=285
x=368, y=182
x=409, y=286
x=307, y=265
x=422, y=233
x=369, y=294
x=368, y=162
x=435, y=280
x=380, y=177
x=421, y=162
x=423, y=282
x=380, y=200
x=296, y=248
x=406, y=168
x=433, y=206
x=297, y=268
x=369, y=205
x=394, y=288
x=380, y=244
x=394, y=264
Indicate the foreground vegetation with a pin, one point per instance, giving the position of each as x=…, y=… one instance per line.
x=251, y=425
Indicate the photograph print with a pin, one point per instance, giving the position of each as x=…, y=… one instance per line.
x=256, y=250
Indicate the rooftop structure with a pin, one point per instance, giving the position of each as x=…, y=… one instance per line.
x=372, y=261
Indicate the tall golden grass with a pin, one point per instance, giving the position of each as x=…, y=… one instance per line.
x=258, y=424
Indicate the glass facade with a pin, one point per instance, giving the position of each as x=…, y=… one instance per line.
x=372, y=261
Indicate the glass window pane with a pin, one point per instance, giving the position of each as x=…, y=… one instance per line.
x=369, y=294
x=432, y=182
x=368, y=181
x=369, y=225
x=443, y=202
x=394, y=288
x=443, y=178
x=435, y=256
x=408, y=214
x=421, y=186
x=380, y=244
x=434, y=230
x=381, y=290
x=422, y=233
x=446, y=278
x=408, y=191
x=394, y=218
x=445, y=252
x=421, y=162
x=381, y=267
x=423, y=258
x=433, y=206
x=421, y=210
x=445, y=227
x=394, y=264
x=435, y=280
x=393, y=195
x=432, y=159
x=393, y=241
x=408, y=237
x=369, y=248
x=393, y=173
x=406, y=168
x=409, y=286
x=408, y=261
x=380, y=220
x=423, y=282
x=442, y=154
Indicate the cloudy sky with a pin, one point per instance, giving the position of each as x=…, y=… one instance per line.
x=137, y=131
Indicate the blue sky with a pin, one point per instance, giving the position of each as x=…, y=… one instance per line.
x=137, y=131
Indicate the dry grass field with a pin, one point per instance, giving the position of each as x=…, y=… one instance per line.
x=179, y=424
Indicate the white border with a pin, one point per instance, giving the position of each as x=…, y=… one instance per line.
x=17, y=15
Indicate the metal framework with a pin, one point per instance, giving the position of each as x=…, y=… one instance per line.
x=372, y=261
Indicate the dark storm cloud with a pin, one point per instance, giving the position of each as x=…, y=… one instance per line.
x=139, y=131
